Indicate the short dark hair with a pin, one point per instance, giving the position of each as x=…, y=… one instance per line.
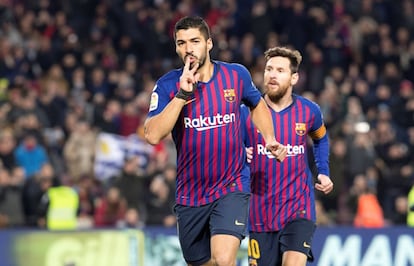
x=188, y=22
x=294, y=56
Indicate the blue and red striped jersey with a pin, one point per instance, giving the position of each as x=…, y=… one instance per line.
x=210, y=149
x=284, y=191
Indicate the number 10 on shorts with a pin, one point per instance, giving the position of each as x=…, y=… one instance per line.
x=253, y=251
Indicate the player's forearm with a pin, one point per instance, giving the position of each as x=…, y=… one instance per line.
x=321, y=154
x=159, y=126
x=262, y=119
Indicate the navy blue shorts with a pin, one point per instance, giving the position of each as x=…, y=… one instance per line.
x=267, y=248
x=227, y=215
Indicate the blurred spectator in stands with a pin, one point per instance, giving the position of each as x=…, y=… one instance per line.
x=133, y=184
x=260, y=22
x=7, y=147
x=338, y=167
x=58, y=207
x=160, y=203
x=399, y=217
x=361, y=152
x=329, y=102
x=142, y=104
x=109, y=60
x=97, y=82
x=33, y=190
x=366, y=98
x=126, y=51
x=383, y=95
x=69, y=64
x=25, y=103
x=110, y=209
x=315, y=69
x=354, y=112
x=132, y=220
x=30, y=155
x=108, y=116
x=71, y=120
x=391, y=77
x=89, y=60
x=130, y=119
x=52, y=99
x=123, y=87
x=364, y=201
x=89, y=190
x=394, y=160
x=79, y=150
x=29, y=124
x=403, y=105
x=77, y=84
x=17, y=176
x=11, y=209
x=248, y=51
x=170, y=175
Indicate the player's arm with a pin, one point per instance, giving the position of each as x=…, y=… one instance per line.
x=321, y=154
x=262, y=119
x=260, y=115
x=159, y=126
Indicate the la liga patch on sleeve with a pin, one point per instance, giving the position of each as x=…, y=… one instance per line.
x=154, y=101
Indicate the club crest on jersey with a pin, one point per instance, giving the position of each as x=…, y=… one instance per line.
x=300, y=129
x=229, y=95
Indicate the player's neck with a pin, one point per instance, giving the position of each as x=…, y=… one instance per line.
x=206, y=72
x=280, y=104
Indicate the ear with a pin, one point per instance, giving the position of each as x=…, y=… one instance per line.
x=295, y=79
x=209, y=44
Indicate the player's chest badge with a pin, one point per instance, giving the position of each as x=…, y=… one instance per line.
x=300, y=129
x=229, y=95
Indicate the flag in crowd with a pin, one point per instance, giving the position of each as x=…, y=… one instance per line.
x=112, y=150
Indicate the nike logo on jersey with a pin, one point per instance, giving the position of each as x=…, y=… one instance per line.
x=306, y=245
x=236, y=222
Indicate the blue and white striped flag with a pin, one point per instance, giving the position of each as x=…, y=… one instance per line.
x=112, y=150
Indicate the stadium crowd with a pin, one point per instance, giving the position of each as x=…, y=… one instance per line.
x=71, y=70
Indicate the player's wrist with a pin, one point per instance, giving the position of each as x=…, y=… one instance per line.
x=184, y=95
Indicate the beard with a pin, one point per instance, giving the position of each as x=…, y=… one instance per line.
x=275, y=96
x=201, y=61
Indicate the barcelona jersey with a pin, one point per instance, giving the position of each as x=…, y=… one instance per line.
x=207, y=135
x=284, y=191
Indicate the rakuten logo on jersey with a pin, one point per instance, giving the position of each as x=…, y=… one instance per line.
x=202, y=123
x=292, y=150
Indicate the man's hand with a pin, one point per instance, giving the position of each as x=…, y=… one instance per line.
x=325, y=184
x=278, y=150
x=249, y=153
x=189, y=77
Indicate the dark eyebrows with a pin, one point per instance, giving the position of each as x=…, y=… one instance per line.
x=179, y=41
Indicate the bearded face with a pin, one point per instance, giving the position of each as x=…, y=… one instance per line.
x=191, y=43
x=276, y=90
x=278, y=78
